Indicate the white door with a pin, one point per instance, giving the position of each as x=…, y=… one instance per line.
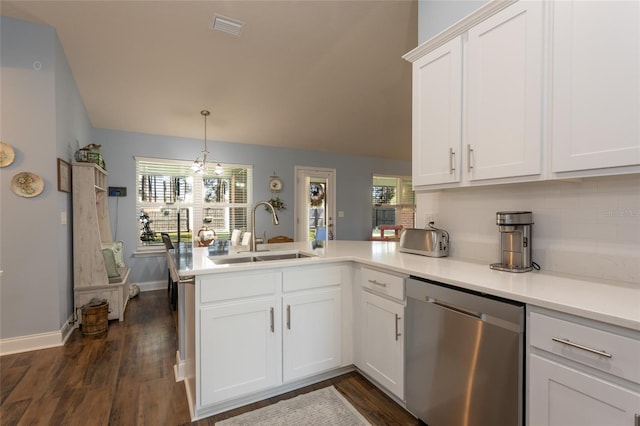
x=504, y=94
x=562, y=396
x=315, y=207
x=382, y=341
x=595, y=119
x=239, y=348
x=311, y=332
x=437, y=115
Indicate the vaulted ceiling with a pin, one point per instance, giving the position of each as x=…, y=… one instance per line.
x=322, y=75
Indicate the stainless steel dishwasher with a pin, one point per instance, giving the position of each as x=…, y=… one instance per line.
x=464, y=356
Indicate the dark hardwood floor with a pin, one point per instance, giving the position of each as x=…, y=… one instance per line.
x=126, y=378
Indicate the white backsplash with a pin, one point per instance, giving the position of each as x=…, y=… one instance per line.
x=589, y=227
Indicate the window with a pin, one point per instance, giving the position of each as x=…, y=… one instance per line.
x=393, y=206
x=171, y=198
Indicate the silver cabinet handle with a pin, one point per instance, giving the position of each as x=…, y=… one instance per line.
x=273, y=330
x=374, y=282
x=397, y=334
x=187, y=280
x=289, y=317
x=452, y=164
x=584, y=348
x=469, y=165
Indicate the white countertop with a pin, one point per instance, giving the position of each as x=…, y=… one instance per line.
x=610, y=302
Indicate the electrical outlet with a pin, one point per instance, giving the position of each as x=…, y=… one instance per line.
x=428, y=218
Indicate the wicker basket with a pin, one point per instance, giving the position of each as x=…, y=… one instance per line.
x=95, y=317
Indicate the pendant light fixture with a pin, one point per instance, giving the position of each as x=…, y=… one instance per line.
x=200, y=166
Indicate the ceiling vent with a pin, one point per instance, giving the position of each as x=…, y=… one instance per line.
x=227, y=25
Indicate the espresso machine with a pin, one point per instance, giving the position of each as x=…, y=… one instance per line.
x=515, y=241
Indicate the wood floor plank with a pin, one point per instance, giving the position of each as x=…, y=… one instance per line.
x=126, y=377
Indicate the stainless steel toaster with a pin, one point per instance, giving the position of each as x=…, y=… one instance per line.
x=432, y=242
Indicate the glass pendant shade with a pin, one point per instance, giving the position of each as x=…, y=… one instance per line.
x=200, y=166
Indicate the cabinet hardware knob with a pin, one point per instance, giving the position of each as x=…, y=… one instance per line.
x=374, y=282
x=469, y=165
x=397, y=334
x=289, y=317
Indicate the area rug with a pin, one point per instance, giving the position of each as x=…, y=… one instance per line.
x=318, y=408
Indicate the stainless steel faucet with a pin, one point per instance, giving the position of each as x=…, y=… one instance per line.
x=253, y=221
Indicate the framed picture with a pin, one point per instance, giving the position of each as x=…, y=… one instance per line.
x=64, y=176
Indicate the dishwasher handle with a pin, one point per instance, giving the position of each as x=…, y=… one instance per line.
x=456, y=308
x=480, y=316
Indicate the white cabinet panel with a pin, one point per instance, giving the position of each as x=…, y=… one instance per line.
x=312, y=337
x=382, y=341
x=595, y=92
x=562, y=396
x=239, y=348
x=581, y=372
x=504, y=97
x=437, y=115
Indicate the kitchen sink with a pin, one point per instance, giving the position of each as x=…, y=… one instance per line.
x=232, y=260
x=282, y=256
x=259, y=257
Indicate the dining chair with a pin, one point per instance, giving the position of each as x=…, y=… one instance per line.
x=172, y=286
x=235, y=237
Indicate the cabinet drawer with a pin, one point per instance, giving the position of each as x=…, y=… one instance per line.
x=603, y=350
x=311, y=277
x=383, y=283
x=234, y=286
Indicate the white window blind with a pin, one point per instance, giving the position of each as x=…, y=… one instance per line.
x=171, y=198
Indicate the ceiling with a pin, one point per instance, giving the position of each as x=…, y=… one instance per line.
x=322, y=75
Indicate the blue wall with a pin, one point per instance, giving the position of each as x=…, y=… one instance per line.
x=353, y=182
x=43, y=117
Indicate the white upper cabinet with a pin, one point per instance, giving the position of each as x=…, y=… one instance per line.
x=595, y=85
x=477, y=99
x=528, y=90
x=504, y=94
x=437, y=115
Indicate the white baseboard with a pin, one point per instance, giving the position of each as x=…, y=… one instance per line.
x=52, y=339
x=152, y=285
x=179, y=368
x=34, y=342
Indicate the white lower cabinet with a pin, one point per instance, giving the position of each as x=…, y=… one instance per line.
x=240, y=348
x=582, y=372
x=381, y=331
x=312, y=332
x=257, y=330
x=562, y=396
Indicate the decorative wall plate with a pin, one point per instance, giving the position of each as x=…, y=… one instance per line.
x=6, y=154
x=275, y=184
x=27, y=184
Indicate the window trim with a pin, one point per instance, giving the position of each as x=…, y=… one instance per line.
x=198, y=205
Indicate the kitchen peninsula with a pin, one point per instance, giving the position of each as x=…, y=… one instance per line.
x=241, y=339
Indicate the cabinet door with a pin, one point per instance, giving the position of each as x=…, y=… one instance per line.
x=437, y=115
x=239, y=348
x=562, y=396
x=312, y=336
x=504, y=94
x=595, y=86
x=382, y=341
